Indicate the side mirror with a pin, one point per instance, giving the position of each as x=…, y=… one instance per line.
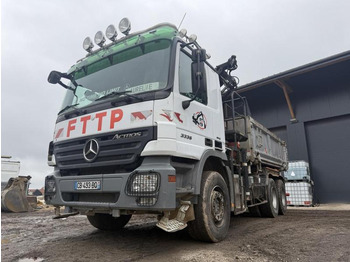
x=199, y=76
x=54, y=77
x=199, y=55
x=199, y=80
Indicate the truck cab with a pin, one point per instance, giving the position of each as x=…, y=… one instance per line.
x=142, y=130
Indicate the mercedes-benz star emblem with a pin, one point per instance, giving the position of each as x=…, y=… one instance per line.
x=91, y=150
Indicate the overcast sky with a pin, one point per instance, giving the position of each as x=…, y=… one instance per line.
x=37, y=36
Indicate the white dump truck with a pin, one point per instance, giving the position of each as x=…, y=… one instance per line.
x=148, y=125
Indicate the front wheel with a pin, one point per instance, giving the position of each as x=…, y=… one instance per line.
x=271, y=208
x=107, y=222
x=212, y=213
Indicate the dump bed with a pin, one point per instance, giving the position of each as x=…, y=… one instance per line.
x=261, y=144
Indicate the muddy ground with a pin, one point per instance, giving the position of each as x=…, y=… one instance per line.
x=311, y=234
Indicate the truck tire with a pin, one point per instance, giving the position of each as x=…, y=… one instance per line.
x=212, y=212
x=107, y=222
x=271, y=208
x=282, y=200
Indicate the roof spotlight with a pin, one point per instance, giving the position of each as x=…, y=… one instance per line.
x=87, y=44
x=111, y=33
x=192, y=38
x=125, y=26
x=99, y=38
x=183, y=33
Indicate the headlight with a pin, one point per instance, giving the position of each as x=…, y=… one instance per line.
x=99, y=38
x=143, y=184
x=50, y=185
x=87, y=44
x=125, y=26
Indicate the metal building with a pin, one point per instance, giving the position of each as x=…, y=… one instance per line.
x=309, y=108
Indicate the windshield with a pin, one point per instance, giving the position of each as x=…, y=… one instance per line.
x=140, y=69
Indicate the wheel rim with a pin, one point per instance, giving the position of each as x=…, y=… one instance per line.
x=217, y=201
x=283, y=197
x=274, y=199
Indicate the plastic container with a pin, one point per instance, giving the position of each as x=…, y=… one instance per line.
x=298, y=171
x=299, y=193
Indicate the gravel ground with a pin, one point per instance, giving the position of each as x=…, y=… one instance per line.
x=303, y=234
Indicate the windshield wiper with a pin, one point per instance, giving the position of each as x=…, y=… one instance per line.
x=66, y=108
x=120, y=93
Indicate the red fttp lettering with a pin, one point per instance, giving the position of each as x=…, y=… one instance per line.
x=71, y=126
x=84, y=119
x=100, y=116
x=116, y=116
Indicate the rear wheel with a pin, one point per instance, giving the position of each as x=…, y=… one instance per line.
x=212, y=212
x=282, y=200
x=271, y=208
x=107, y=222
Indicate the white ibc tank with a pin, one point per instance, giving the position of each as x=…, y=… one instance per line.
x=299, y=193
x=298, y=170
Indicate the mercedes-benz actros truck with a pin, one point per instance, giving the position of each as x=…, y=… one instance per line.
x=148, y=125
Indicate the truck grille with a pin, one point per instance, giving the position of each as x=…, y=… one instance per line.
x=113, y=153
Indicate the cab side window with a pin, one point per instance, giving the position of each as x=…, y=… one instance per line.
x=185, y=81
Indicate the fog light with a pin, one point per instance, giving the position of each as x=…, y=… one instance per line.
x=143, y=184
x=125, y=26
x=192, y=38
x=183, y=33
x=111, y=33
x=146, y=201
x=99, y=39
x=87, y=44
x=50, y=185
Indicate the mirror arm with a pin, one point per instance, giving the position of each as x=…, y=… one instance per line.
x=65, y=86
x=69, y=77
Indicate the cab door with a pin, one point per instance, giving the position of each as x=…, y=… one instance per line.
x=200, y=126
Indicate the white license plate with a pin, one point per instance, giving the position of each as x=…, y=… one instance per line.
x=87, y=185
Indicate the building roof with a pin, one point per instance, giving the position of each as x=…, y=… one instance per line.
x=326, y=62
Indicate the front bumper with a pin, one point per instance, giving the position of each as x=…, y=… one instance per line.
x=112, y=193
